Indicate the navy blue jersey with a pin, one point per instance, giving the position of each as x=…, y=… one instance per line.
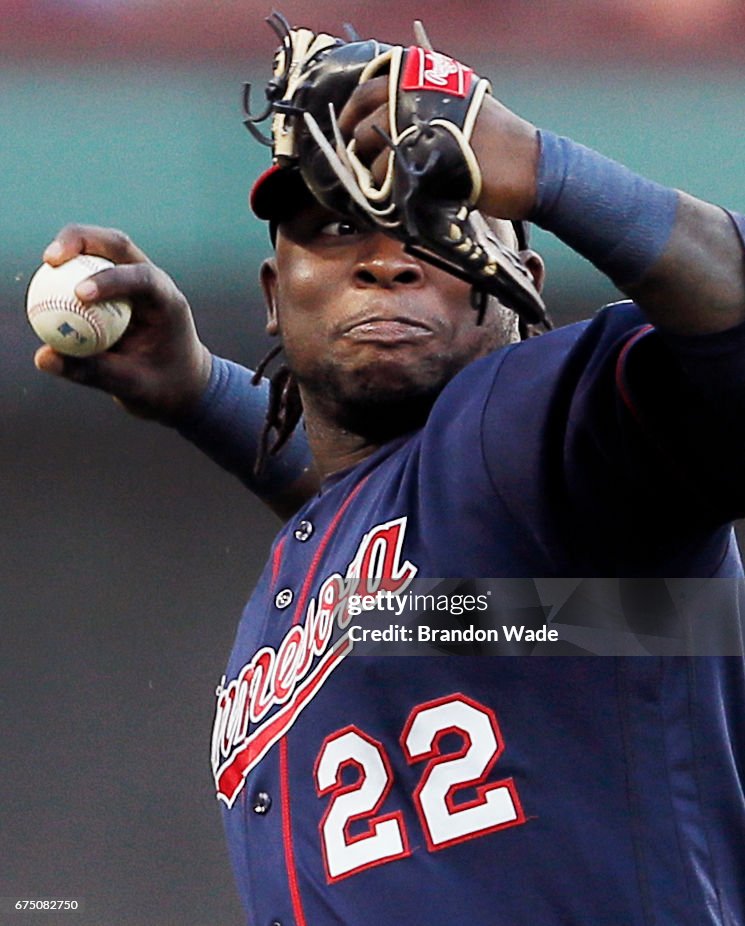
x=567, y=789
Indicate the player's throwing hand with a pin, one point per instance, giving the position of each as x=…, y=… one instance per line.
x=159, y=368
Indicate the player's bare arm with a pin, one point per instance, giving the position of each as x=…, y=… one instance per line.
x=698, y=284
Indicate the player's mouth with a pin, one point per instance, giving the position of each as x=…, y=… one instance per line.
x=399, y=329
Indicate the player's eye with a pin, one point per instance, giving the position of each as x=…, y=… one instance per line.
x=339, y=228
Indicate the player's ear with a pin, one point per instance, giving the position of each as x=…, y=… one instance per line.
x=268, y=279
x=534, y=262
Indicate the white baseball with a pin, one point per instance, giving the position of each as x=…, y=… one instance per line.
x=61, y=320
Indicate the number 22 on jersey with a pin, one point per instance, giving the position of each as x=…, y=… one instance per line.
x=444, y=819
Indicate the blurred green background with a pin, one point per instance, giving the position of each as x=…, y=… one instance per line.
x=126, y=557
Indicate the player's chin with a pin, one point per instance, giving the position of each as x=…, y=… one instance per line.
x=399, y=372
x=382, y=413
x=392, y=382
x=371, y=375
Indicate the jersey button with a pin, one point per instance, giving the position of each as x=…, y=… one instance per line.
x=303, y=531
x=283, y=599
x=262, y=803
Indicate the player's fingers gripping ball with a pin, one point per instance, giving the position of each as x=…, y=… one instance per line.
x=61, y=320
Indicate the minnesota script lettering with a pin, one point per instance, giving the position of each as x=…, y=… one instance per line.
x=261, y=704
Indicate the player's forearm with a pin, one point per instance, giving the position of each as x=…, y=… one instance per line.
x=698, y=283
x=227, y=425
x=679, y=258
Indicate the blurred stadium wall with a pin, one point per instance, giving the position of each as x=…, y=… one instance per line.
x=126, y=558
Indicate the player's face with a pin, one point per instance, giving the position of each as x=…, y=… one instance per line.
x=364, y=324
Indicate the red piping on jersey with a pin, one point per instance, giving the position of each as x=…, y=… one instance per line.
x=621, y=372
x=284, y=761
x=277, y=560
x=284, y=764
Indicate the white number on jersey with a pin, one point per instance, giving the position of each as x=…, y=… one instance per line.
x=385, y=839
x=444, y=819
x=495, y=805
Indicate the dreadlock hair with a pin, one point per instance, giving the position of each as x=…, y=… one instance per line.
x=283, y=411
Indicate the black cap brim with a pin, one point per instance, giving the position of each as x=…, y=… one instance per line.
x=277, y=193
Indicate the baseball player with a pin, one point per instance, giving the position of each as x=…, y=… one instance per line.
x=449, y=789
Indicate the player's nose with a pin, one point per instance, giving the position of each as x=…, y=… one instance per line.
x=383, y=262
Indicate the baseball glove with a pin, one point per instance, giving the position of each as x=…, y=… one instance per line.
x=432, y=183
